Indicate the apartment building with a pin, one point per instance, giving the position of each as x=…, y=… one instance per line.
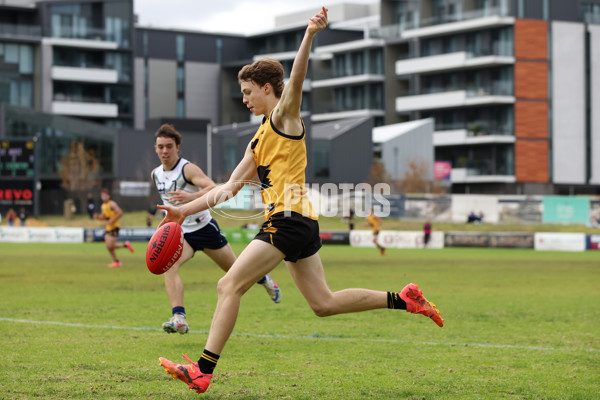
x=512, y=85
x=69, y=58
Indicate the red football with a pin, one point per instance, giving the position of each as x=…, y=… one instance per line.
x=165, y=248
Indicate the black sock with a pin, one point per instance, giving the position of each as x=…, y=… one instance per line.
x=395, y=302
x=179, y=310
x=208, y=362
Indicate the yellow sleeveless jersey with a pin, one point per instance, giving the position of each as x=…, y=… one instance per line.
x=281, y=165
x=108, y=213
x=374, y=223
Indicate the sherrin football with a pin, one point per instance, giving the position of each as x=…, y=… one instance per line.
x=165, y=248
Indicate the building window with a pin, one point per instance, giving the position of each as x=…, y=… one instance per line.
x=117, y=22
x=145, y=44
x=376, y=62
x=320, y=158
x=180, y=80
x=219, y=44
x=16, y=84
x=180, y=108
x=180, y=47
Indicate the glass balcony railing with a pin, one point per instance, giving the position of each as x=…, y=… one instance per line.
x=498, y=88
x=20, y=30
x=321, y=107
x=323, y=75
x=68, y=32
x=485, y=167
x=391, y=32
x=478, y=128
x=77, y=98
x=501, y=48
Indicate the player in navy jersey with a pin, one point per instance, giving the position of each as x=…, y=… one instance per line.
x=179, y=181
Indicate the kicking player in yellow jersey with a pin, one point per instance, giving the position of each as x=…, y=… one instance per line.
x=111, y=212
x=277, y=154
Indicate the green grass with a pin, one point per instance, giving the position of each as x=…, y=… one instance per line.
x=520, y=324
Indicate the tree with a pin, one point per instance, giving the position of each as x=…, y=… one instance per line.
x=79, y=169
x=415, y=179
x=378, y=174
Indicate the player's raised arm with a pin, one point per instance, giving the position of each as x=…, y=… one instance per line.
x=291, y=98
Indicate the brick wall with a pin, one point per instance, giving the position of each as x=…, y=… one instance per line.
x=531, y=105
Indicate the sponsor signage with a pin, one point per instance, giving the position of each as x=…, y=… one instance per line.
x=467, y=239
x=566, y=209
x=442, y=170
x=41, y=235
x=593, y=242
x=396, y=239
x=131, y=234
x=560, y=241
x=335, y=237
x=511, y=240
x=16, y=194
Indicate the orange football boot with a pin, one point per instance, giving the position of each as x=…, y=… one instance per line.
x=416, y=303
x=188, y=374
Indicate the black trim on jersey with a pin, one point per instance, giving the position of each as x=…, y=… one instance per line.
x=288, y=136
x=174, y=166
x=183, y=173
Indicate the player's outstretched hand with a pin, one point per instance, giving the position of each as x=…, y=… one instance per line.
x=178, y=197
x=318, y=22
x=173, y=215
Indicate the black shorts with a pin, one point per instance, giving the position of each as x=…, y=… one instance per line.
x=113, y=232
x=208, y=237
x=295, y=236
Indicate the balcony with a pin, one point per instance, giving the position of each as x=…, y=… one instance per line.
x=333, y=115
x=497, y=93
x=20, y=31
x=449, y=62
x=479, y=175
x=461, y=137
x=80, y=43
x=347, y=80
x=466, y=21
x=328, y=111
x=85, y=107
x=76, y=74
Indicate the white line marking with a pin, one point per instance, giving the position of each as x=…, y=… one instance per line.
x=307, y=337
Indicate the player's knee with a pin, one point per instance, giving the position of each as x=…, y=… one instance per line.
x=322, y=310
x=227, y=287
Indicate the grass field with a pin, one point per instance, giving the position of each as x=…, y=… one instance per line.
x=520, y=324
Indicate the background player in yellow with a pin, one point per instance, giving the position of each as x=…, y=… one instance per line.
x=277, y=153
x=375, y=223
x=111, y=212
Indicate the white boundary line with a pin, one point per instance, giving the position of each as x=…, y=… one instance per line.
x=307, y=337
